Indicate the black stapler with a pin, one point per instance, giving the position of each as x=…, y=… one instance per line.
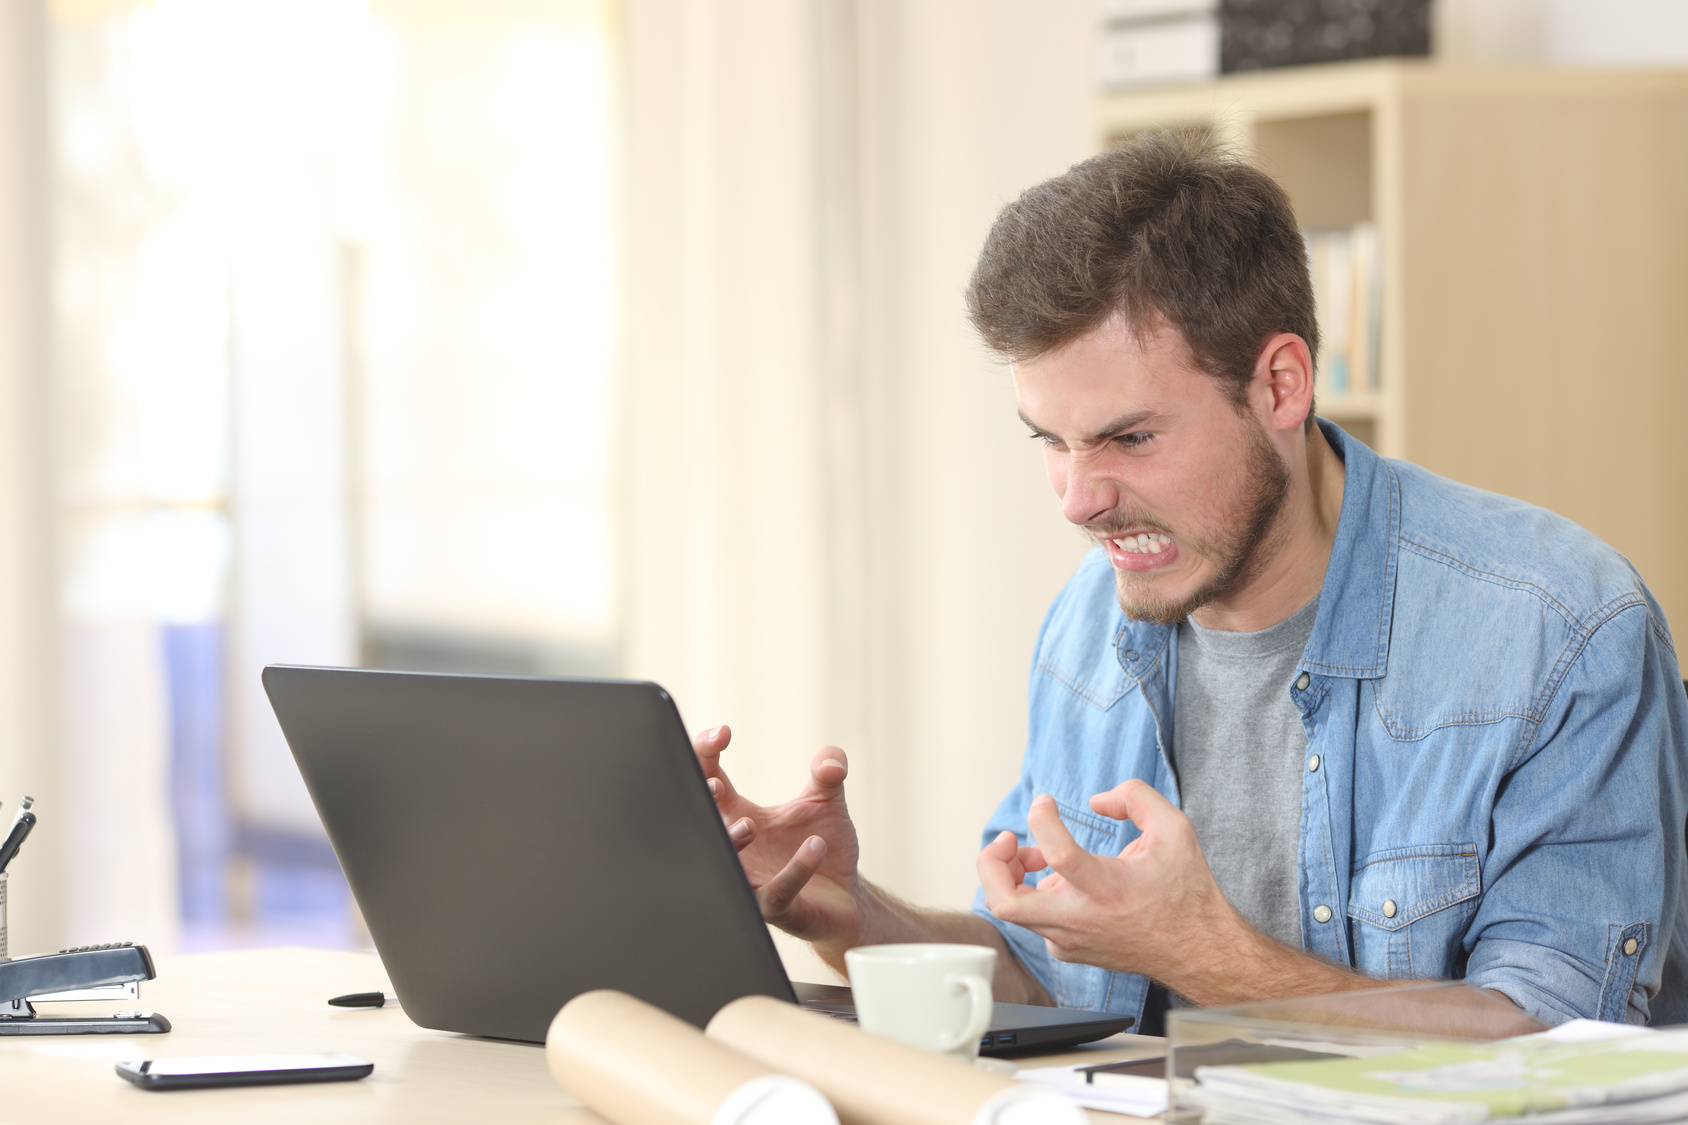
x=91, y=972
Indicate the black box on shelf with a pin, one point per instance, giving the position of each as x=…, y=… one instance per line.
x=1256, y=34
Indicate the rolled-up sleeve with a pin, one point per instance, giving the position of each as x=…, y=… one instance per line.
x=1584, y=881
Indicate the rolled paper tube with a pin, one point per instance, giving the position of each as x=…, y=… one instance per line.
x=871, y=1080
x=634, y=1064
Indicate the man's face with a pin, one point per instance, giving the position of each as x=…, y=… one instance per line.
x=1155, y=463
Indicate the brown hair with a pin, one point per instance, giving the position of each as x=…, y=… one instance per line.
x=1171, y=224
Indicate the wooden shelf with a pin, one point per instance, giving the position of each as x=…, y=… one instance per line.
x=1534, y=236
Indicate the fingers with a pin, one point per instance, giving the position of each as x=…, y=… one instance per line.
x=1003, y=866
x=1059, y=850
x=827, y=771
x=996, y=867
x=741, y=832
x=722, y=790
x=708, y=744
x=778, y=893
x=1135, y=800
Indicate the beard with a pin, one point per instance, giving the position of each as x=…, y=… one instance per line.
x=1237, y=550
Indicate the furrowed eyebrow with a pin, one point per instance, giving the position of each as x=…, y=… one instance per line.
x=1113, y=429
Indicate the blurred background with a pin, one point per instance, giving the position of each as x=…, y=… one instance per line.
x=557, y=336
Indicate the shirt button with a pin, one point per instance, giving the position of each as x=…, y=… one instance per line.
x=1313, y=764
x=1301, y=682
x=1131, y=654
x=1629, y=948
x=1321, y=914
x=1389, y=908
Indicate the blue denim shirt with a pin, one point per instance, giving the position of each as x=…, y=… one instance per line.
x=1501, y=733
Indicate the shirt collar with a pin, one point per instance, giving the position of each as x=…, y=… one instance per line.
x=1357, y=602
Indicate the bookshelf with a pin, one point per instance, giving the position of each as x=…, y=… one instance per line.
x=1533, y=225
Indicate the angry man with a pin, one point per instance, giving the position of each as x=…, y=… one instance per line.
x=1305, y=719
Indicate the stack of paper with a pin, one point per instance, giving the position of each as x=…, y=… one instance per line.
x=1580, y=1074
x=1138, y=1096
x=1153, y=42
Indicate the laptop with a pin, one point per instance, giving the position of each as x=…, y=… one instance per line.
x=515, y=841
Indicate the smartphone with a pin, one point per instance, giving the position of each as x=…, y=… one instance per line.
x=242, y=1070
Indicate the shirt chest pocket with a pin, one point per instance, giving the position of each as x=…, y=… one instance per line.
x=1408, y=910
x=1087, y=986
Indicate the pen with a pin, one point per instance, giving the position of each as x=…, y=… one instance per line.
x=364, y=1000
x=1151, y=1067
x=21, y=824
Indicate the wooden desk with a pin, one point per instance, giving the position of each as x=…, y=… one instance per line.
x=273, y=1001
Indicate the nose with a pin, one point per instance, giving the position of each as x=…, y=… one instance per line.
x=1089, y=491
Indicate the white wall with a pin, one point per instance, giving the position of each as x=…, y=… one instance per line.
x=29, y=655
x=722, y=454
x=1595, y=32
x=994, y=98
x=837, y=531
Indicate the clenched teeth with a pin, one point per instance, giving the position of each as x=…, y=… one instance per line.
x=1149, y=543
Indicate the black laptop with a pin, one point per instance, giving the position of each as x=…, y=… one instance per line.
x=515, y=841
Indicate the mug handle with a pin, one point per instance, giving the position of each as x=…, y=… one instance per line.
x=979, y=1018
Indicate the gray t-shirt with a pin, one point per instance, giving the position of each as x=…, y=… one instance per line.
x=1239, y=751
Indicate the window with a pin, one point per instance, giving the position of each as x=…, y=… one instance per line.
x=335, y=290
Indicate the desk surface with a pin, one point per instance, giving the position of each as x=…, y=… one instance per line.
x=274, y=1001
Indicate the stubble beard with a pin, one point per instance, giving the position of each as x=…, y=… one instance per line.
x=1237, y=554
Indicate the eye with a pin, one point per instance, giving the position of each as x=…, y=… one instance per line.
x=1135, y=439
x=1049, y=440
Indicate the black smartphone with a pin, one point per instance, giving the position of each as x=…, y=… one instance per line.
x=242, y=1070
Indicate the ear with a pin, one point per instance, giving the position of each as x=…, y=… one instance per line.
x=1282, y=388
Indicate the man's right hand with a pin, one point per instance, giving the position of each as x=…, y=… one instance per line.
x=801, y=856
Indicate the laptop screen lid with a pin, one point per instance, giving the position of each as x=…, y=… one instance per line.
x=516, y=841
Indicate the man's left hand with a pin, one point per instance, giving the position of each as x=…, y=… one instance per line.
x=1152, y=909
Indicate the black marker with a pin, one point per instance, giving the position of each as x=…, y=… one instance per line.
x=21, y=824
x=364, y=1000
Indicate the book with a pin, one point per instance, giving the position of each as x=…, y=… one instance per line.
x=1568, y=1076
x=1347, y=273
x=1366, y=308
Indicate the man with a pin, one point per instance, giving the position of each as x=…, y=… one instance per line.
x=1304, y=719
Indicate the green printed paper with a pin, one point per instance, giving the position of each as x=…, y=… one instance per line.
x=1509, y=1080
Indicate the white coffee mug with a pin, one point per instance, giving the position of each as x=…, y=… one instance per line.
x=928, y=995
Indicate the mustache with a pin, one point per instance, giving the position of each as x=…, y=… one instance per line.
x=1117, y=523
